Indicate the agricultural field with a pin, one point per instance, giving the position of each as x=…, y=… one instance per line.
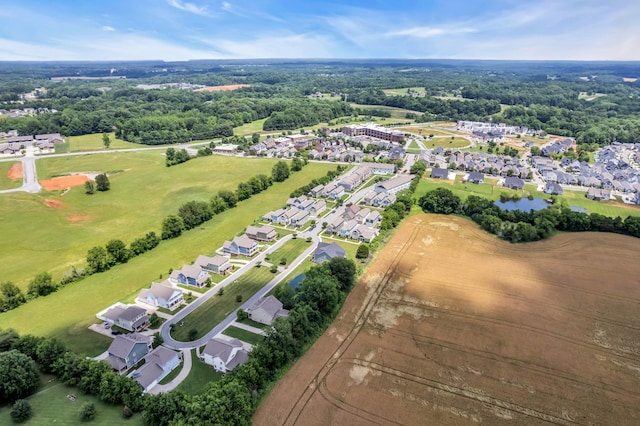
x=83, y=299
x=93, y=142
x=143, y=192
x=419, y=91
x=10, y=175
x=396, y=113
x=519, y=334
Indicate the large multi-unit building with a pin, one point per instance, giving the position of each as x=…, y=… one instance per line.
x=374, y=131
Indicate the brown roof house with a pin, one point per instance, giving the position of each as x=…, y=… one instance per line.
x=224, y=355
x=127, y=350
x=261, y=233
x=266, y=310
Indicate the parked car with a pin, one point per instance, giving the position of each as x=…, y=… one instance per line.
x=116, y=332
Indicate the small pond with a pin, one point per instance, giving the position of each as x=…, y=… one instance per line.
x=296, y=281
x=525, y=205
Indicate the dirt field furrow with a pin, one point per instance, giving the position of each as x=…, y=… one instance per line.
x=452, y=326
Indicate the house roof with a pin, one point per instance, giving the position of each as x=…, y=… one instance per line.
x=218, y=261
x=147, y=374
x=160, y=355
x=476, y=176
x=395, y=182
x=329, y=249
x=221, y=348
x=437, y=172
x=124, y=343
x=131, y=313
x=254, y=230
x=271, y=305
x=115, y=362
x=241, y=357
x=163, y=291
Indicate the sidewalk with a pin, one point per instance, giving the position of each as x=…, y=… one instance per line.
x=249, y=328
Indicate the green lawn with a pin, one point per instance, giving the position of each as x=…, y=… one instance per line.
x=5, y=182
x=51, y=406
x=446, y=142
x=142, y=194
x=290, y=251
x=414, y=145
x=83, y=341
x=242, y=334
x=169, y=377
x=403, y=91
x=218, y=307
x=74, y=306
x=396, y=113
x=93, y=142
x=200, y=376
x=491, y=190
x=253, y=323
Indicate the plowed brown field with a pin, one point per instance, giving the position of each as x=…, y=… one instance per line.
x=451, y=326
x=224, y=88
x=63, y=182
x=15, y=171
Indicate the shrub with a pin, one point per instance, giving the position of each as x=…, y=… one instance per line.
x=20, y=411
x=87, y=412
x=239, y=298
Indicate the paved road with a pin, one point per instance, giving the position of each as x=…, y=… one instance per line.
x=29, y=174
x=186, y=369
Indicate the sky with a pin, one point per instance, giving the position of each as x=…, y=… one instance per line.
x=176, y=30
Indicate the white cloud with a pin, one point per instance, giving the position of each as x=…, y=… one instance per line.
x=108, y=28
x=190, y=7
x=287, y=46
x=226, y=5
x=427, y=32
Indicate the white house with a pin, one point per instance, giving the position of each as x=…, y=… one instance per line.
x=216, y=264
x=394, y=184
x=158, y=364
x=224, y=355
x=162, y=295
x=266, y=310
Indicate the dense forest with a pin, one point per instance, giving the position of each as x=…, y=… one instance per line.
x=597, y=103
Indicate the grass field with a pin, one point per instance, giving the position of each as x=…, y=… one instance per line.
x=143, y=192
x=403, y=91
x=5, y=182
x=242, y=334
x=50, y=406
x=200, y=376
x=491, y=190
x=82, y=300
x=396, y=113
x=214, y=310
x=516, y=334
x=289, y=251
x=428, y=131
x=93, y=142
x=447, y=142
x=250, y=128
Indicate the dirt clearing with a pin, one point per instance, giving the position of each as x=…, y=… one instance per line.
x=54, y=204
x=15, y=171
x=224, y=88
x=453, y=326
x=63, y=182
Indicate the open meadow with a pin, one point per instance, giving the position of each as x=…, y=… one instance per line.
x=452, y=326
x=52, y=231
x=10, y=174
x=121, y=214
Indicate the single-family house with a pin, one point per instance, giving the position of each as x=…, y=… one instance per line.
x=394, y=184
x=363, y=233
x=217, y=264
x=438, y=173
x=335, y=225
x=350, y=212
x=157, y=365
x=475, y=177
x=382, y=168
x=261, y=233
x=127, y=350
x=598, y=194
x=553, y=188
x=224, y=355
x=316, y=191
x=300, y=218
x=326, y=192
x=275, y=216
x=513, y=182
x=241, y=246
x=397, y=153
x=161, y=295
x=132, y=318
x=373, y=218
x=317, y=208
x=337, y=193
x=189, y=275
x=266, y=310
x=327, y=251
x=348, y=227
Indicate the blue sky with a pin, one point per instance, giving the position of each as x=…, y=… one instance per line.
x=213, y=29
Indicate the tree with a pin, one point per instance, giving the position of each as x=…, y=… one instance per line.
x=255, y=138
x=10, y=296
x=440, y=200
x=160, y=409
x=89, y=187
x=242, y=315
x=238, y=298
x=98, y=259
x=102, y=182
x=117, y=251
x=280, y=171
x=7, y=339
x=296, y=164
x=48, y=352
x=20, y=411
x=154, y=320
x=418, y=168
x=172, y=227
x=193, y=333
x=344, y=270
x=229, y=198
x=41, y=285
x=87, y=411
x=106, y=141
x=157, y=340
x=535, y=150
x=362, y=252
x=19, y=374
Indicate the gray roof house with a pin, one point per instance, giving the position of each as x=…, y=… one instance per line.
x=438, y=173
x=327, y=251
x=241, y=246
x=475, y=177
x=216, y=264
x=553, y=188
x=190, y=275
x=266, y=310
x=162, y=295
x=261, y=233
x=158, y=364
x=127, y=349
x=598, y=194
x=224, y=355
x=132, y=318
x=513, y=182
x=394, y=184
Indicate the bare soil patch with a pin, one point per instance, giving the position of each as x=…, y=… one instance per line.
x=224, y=88
x=453, y=326
x=15, y=171
x=63, y=182
x=78, y=218
x=629, y=79
x=54, y=204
